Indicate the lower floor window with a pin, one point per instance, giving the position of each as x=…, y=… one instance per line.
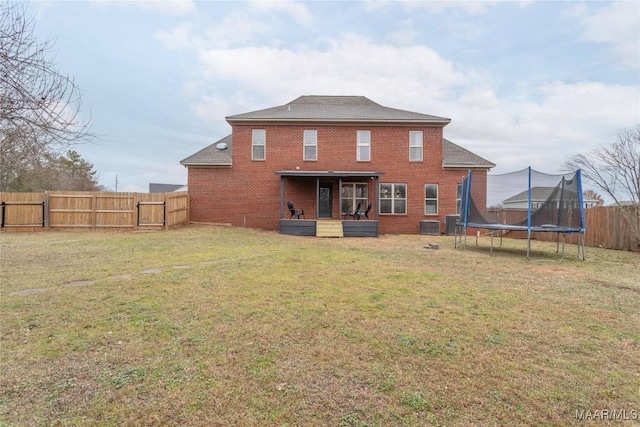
x=393, y=199
x=431, y=199
x=353, y=194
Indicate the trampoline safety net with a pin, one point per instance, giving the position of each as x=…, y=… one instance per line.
x=525, y=200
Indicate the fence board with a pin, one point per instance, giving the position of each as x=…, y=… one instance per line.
x=94, y=210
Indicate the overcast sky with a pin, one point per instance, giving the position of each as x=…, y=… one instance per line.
x=524, y=83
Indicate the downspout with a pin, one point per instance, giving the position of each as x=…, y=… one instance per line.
x=466, y=204
x=529, y=216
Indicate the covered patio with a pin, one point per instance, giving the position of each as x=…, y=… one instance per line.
x=315, y=193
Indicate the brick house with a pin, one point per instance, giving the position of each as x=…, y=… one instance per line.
x=329, y=154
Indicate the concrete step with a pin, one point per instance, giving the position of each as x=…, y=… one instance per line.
x=328, y=228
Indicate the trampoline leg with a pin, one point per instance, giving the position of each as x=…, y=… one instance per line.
x=581, y=244
x=564, y=236
x=528, y=245
x=491, y=250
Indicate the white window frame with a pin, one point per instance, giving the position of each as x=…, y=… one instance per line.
x=310, y=141
x=258, y=139
x=431, y=199
x=364, y=142
x=458, y=199
x=391, y=192
x=416, y=138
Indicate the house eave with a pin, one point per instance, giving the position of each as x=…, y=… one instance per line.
x=327, y=173
x=468, y=166
x=208, y=165
x=352, y=121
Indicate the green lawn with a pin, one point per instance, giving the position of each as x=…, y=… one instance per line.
x=220, y=326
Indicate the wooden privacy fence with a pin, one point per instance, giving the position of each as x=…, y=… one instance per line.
x=93, y=210
x=606, y=226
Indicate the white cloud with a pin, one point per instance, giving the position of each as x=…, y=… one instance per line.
x=177, y=38
x=405, y=35
x=437, y=6
x=568, y=119
x=235, y=29
x=350, y=64
x=618, y=25
x=298, y=11
x=165, y=7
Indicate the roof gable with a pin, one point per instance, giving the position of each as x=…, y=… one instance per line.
x=454, y=156
x=310, y=108
x=212, y=155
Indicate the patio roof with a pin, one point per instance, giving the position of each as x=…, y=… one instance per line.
x=329, y=174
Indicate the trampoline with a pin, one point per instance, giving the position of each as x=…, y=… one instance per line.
x=538, y=203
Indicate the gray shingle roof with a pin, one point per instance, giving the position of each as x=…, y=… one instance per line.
x=163, y=188
x=212, y=155
x=540, y=194
x=336, y=109
x=454, y=156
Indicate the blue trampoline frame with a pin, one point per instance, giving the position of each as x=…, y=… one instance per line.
x=545, y=228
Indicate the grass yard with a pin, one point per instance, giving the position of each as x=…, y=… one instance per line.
x=218, y=326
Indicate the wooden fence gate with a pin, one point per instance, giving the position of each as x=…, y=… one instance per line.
x=93, y=210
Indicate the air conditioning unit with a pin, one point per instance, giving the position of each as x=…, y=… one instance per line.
x=450, y=227
x=430, y=227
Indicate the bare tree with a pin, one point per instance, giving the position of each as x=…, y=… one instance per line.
x=39, y=107
x=615, y=169
x=593, y=195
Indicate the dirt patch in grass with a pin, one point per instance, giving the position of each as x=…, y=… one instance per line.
x=265, y=329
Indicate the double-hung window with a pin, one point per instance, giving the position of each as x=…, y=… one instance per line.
x=415, y=146
x=310, y=144
x=258, y=144
x=431, y=199
x=393, y=199
x=364, y=146
x=459, y=199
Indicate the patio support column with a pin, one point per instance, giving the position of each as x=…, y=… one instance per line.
x=375, y=195
x=340, y=198
x=281, y=197
x=317, y=197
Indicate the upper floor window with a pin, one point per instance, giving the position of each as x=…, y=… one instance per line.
x=431, y=199
x=364, y=146
x=415, y=146
x=393, y=199
x=310, y=144
x=258, y=144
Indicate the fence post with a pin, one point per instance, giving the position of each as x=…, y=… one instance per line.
x=94, y=214
x=135, y=218
x=164, y=213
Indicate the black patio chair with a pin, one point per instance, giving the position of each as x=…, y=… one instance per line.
x=365, y=213
x=294, y=213
x=353, y=214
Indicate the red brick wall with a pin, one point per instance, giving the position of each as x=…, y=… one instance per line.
x=248, y=194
